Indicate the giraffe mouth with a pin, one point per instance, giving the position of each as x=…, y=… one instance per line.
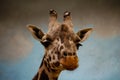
x=71, y=67
x=69, y=63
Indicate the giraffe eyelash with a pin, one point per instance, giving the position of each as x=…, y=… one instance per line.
x=78, y=45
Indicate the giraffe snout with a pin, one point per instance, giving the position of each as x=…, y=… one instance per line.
x=69, y=62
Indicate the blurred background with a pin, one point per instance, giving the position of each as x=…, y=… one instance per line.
x=21, y=54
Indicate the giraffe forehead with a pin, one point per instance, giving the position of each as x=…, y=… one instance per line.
x=60, y=46
x=63, y=42
x=63, y=37
x=62, y=30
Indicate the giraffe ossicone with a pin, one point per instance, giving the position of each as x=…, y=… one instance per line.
x=61, y=44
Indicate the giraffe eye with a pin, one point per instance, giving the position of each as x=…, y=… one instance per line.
x=78, y=45
x=46, y=41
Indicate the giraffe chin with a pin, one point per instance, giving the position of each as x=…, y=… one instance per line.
x=71, y=67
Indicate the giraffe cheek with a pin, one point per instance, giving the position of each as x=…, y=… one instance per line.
x=70, y=62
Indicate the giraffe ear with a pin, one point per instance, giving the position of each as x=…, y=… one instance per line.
x=84, y=34
x=36, y=32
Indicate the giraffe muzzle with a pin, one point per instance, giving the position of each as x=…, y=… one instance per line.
x=69, y=62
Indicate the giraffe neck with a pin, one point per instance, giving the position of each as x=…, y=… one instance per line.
x=45, y=74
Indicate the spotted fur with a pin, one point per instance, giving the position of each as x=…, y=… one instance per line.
x=61, y=44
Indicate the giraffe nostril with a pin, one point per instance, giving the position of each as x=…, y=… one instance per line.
x=74, y=53
x=65, y=53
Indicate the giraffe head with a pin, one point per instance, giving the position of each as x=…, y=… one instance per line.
x=61, y=42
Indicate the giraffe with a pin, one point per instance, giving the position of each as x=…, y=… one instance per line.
x=61, y=44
